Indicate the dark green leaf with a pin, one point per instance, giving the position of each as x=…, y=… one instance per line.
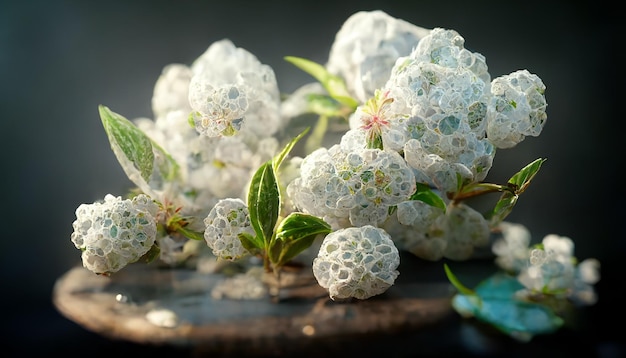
x=295, y=234
x=264, y=201
x=424, y=193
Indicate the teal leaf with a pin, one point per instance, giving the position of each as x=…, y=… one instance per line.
x=426, y=194
x=264, y=202
x=499, y=307
x=334, y=85
x=295, y=234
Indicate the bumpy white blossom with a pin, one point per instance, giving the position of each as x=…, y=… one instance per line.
x=431, y=233
x=358, y=262
x=366, y=47
x=549, y=268
x=517, y=108
x=356, y=185
x=413, y=229
x=444, y=90
x=231, y=91
x=228, y=219
x=511, y=249
x=115, y=232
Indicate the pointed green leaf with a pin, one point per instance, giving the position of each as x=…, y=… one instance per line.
x=145, y=163
x=264, y=201
x=502, y=209
x=455, y=282
x=126, y=139
x=295, y=234
x=333, y=84
x=278, y=159
x=424, y=193
x=522, y=179
x=190, y=234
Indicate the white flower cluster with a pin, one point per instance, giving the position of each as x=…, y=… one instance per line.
x=429, y=233
x=227, y=219
x=358, y=185
x=367, y=46
x=357, y=262
x=115, y=232
x=435, y=107
x=549, y=268
x=227, y=91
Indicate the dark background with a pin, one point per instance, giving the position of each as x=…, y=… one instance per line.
x=60, y=59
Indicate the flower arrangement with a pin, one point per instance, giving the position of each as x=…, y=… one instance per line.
x=397, y=132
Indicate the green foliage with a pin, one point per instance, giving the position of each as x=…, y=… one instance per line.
x=517, y=185
x=334, y=85
x=145, y=163
x=294, y=234
x=424, y=193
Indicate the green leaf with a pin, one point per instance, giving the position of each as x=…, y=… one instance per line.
x=145, y=163
x=295, y=234
x=152, y=254
x=190, y=234
x=522, y=179
x=325, y=105
x=333, y=84
x=519, y=183
x=278, y=159
x=264, y=201
x=130, y=140
x=503, y=208
x=251, y=243
x=424, y=193
x=456, y=283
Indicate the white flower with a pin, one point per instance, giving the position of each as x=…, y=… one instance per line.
x=115, y=232
x=357, y=262
x=366, y=47
x=359, y=185
x=227, y=219
x=517, y=108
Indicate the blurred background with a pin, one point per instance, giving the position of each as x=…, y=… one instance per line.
x=60, y=59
